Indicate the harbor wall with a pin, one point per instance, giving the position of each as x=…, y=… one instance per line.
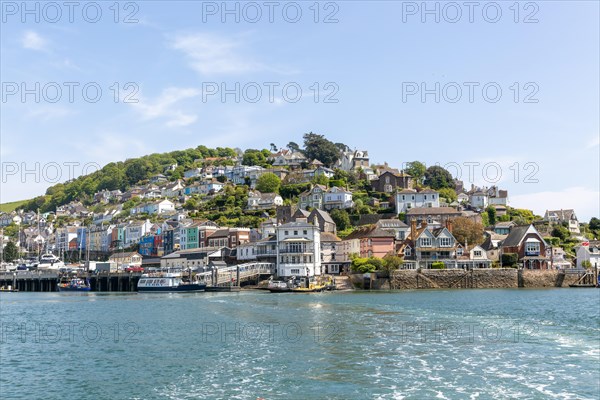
x=488, y=278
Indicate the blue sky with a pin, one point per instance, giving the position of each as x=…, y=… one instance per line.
x=178, y=54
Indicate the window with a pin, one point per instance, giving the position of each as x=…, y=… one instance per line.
x=477, y=253
x=425, y=197
x=295, y=233
x=403, y=197
x=459, y=251
x=425, y=242
x=305, y=232
x=286, y=233
x=407, y=251
x=370, y=254
x=532, y=248
x=370, y=242
x=445, y=242
x=295, y=271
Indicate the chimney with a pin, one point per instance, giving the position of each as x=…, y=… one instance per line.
x=413, y=229
x=423, y=224
x=449, y=225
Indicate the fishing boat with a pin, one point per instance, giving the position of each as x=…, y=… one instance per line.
x=8, y=288
x=74, y=285
x=168, y=283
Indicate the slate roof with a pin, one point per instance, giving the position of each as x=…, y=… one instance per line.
x=515, y=236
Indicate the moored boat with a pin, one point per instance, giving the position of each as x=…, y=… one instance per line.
x=74, y=285
x=8, y=288
x=168, y=283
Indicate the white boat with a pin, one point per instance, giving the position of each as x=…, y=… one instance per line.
x=168, y=283
x=50, y=261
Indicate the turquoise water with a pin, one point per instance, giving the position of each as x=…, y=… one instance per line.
x=463, y=344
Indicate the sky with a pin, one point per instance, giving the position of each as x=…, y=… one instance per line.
x=500, y=93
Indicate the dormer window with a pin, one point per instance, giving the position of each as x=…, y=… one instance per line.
x=407, y=252
x=426, y=242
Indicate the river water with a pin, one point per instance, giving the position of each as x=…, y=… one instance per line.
x=455, y=344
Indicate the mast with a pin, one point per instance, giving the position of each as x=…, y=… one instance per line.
x=39, y=234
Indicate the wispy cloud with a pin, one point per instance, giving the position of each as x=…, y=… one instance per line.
x=210, y=54
x=165, y=107
x=33, y=41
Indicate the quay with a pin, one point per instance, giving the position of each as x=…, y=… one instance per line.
x=228, y=279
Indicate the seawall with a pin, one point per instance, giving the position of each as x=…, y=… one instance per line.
x=488, y=278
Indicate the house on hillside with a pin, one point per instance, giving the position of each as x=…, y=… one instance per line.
x=528, y=244
x=407, y=199
x=390, y=181
x=567, y=217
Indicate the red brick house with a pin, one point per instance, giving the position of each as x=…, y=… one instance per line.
x=528, y=244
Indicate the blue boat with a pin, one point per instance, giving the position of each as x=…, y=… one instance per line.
x=168, y=283
x=74, y=285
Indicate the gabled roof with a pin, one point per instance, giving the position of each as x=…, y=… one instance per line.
x=518, y=233
x=323, y=214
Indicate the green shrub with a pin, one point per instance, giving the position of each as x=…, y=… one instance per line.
x=438, y=265
x=510, y=259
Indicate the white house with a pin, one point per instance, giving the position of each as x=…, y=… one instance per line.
x=135, y=230
x=589, y=251
x=246, y=252
x=298, y=249
x=337, y=197
x=261, y=201
x=479, y=199
x=173, y=189
x=158, y=207
x=410, y=198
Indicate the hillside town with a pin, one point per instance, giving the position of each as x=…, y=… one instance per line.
x=307, y=216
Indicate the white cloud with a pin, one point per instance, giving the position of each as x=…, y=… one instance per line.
x=32, y=40
x=595, y=142
x=585, y=201
x=213, y=55
x=164, y=107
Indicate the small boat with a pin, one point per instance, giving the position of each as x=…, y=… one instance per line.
x=50, y=261
x=74, y=285
x=9, y=289
x=168, y=283
x=302, y=285
x=279, y=287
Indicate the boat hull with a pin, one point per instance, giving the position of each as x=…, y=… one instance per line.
x=194, y=287
x=74, y=289
x=279, y=290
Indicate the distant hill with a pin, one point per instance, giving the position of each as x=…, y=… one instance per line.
x=124, y=174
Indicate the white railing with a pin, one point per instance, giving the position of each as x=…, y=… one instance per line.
x=230, y=274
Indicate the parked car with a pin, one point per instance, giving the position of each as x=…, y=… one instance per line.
x=134, y=269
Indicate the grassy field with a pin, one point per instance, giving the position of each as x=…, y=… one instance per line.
x=8, y=207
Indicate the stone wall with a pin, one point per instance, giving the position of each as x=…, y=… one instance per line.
x=479, y=278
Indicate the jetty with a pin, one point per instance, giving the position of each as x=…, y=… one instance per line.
x=224, y=279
